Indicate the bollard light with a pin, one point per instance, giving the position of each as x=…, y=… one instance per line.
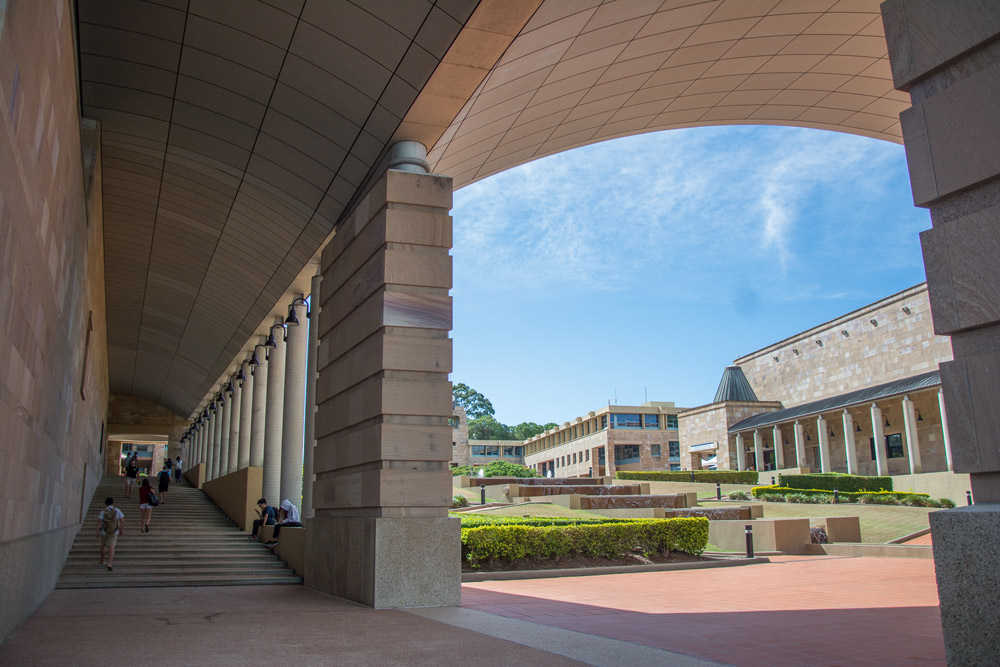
x=836, y=497
x=692, y=475
x=773, y=483
x=968, y=497
x=749, y=532
x=482, y=494
x=718, y=491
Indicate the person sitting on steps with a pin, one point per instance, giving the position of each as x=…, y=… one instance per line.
x=267, y=517
x=289, y=515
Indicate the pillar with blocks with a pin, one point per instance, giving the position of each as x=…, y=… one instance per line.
x=381, y=534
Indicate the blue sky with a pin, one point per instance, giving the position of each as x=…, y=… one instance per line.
x=644, y=265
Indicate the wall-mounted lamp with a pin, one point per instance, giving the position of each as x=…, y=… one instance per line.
x=819, y=343
x=230, y=389
x=808, y=437
x=796, y=351
x=887, y=424
x=857, y=427
x=843, y=332
x=776, y=360
x=292, y=320
x=241, y=377
x=786, y=439
x=874, y=322
x=832, y=433
x=920, y=417
x=906, y=309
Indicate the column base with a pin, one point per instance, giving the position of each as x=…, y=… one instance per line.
x=967, y=561
x=386, y=563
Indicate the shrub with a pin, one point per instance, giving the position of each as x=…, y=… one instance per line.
x=705, y=476
x=944, y=502
x=823, y=496
x=604, y=540
x=802, y=498
x=460, y=471
x=817, y=535
x=477, y=520
x=459, y=501
x=829, y=481
x=508, y=469
x=739, y=495
x=878, y=499
x=772, y=497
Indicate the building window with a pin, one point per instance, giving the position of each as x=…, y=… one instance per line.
x=672, y=421
x=604, y=422
x=675, y=466
x=574, y=457
x=478, y=450
x=626, y=454
x=600, y=456
x=655, y=450
x=626, y=421
x=454, y=444
x=651, y=421
x=674, y=447
x=893, y=446
x=453, y=421
x=513, y=451
x=588, y=454
x=492, y=450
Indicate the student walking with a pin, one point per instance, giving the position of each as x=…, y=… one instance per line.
x=110, y=524
x=164, y=484
x=146, y=508
x=131, y=473
x=177, y=469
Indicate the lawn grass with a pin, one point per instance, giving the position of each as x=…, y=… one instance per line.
x=879, y=523
x=702, y=489
x=540, y=509
x=473, y=494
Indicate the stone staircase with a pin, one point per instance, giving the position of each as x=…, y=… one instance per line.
x=190, y=543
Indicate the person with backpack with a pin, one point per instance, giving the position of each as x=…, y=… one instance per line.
x=164, y=484
x=110, y=524
x=131, y=473
x=177, y=469
x=147, y=500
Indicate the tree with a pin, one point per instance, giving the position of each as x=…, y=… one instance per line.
x=488, y=428
x=526, y=430
x=475, y=404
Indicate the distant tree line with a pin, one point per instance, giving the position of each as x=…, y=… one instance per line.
x=483, y=425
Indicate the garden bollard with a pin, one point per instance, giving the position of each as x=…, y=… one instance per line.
x=836, y=497
x=968, y=497
x=482, y=494
x=749, y=531
x=773, y=483
x=718, y=491
x=692, y=475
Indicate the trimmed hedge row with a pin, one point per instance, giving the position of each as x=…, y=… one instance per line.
x=833, y=480
x=475, y=520
x=606, y=540
x=707, y=476
x=844, y=496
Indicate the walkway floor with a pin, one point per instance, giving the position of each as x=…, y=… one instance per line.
x=794, y=611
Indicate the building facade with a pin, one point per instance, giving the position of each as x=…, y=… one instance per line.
x=479, y=452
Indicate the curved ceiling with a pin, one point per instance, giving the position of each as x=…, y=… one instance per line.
x=583, y=71
x=235, y=134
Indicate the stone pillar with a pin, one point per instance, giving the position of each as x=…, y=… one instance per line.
x=741, y=453
x=258, y=411
x=234, y=414
x=824, y=444
x=274, y=415
x=947, y=56
x=850, y=448
x=945, y=438
x=800, y=445
x=878, y=433
x=779, y=453
x=910, y=433
x=381, y=534
x=758, y=451
x=294, y=407
x=246, y=408
x=310, y=426
x=226, y=411
x=609, y=460
x=211, y=442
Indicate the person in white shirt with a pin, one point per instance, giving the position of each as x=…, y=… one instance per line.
x=110, y=524
x=288, y=515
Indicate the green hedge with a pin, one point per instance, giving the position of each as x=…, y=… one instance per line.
x=839, y=481
x=843, y=496
x=475, y=520
x=707, y=476
x=606, y=540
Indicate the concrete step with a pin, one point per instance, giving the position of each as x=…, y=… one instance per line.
x=114, y=580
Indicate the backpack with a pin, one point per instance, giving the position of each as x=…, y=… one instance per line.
x=110, y=520
x=164, y=480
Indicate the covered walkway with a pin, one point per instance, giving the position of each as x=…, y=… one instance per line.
x=793, y=611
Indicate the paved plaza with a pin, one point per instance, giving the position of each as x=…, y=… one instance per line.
x=792, y=611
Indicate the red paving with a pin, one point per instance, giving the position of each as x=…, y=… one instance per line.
x=923, y=540
x=792, y=611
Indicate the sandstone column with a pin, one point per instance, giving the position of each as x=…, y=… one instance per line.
x=945, y=437
x=800, y=445
x=274, y=414
x=246, y=407
x=294, y=405
x=824, y=444
x=310, y=426
x=947, y=56
x=258, y=411
x=210, y=441
x=878, y=433
x=758, y=451
x=910, y=432
x=850, y=448
x=779, y=447
x=381, y=534
x=226, y=410
x=741, y=453
x=235, y=410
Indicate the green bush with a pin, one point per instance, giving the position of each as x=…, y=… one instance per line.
x=829, y=481
x=507, y=469
x=819, y=496
x=604, y=540
x=944, y=502
x=459, y=501
x=476, y=520
x=706, y=476
x=739, y=495
x=460, y=471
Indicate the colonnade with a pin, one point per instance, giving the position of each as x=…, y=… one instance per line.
x=259, y=415
x=821, y=432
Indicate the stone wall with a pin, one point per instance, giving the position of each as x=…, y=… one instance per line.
x=459, y=437
x=710, y=423
x=888, y=340
x=53, y=343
